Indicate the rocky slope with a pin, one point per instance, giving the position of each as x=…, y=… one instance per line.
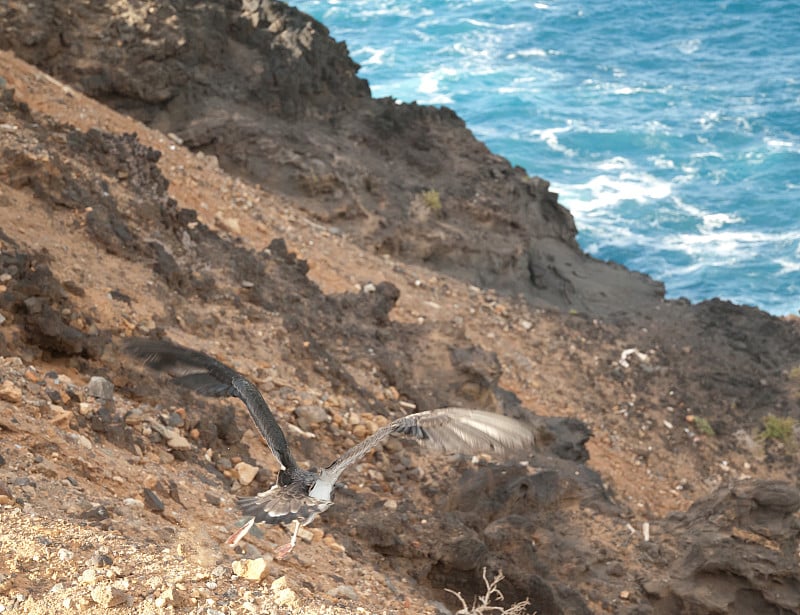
x=675, y=504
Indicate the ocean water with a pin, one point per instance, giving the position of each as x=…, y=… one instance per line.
x=671, y=130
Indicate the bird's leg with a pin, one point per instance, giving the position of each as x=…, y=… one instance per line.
x=283, y=551
x=234, y=538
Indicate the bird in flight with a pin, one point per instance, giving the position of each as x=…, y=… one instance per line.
x=298, y=494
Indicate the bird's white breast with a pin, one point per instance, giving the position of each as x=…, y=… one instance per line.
x=322, y=489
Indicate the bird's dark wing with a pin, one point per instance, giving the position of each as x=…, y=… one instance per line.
x=451, y=430
x=283, y=504
x=204, y=374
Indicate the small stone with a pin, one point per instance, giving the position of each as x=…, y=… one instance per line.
x=65, y=554
x=228, y=224
x=218, y=572
x=100, y=388
x=245, y=473
x=308, y=416
x=60, y=415
x=305, y=534
x=108, y=596
x=285, y=597
x=10, y=392
x=179, y=443
x=100, y=560
x=343, y=591
x=251, y=569
x=88, y=577
x=330, y=542
x=151, y=501
x=80, y=440
x=98, y=513
x=133, y=503
x=279, y=583
x=57, y=396
x=624, y=594
x=173, y=596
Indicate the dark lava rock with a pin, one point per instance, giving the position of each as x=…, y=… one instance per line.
x=734, y=551
x=151, y=501
x=97, y=513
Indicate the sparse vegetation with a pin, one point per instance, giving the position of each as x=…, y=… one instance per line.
x=432, y=199
x=315, y=185
x=704, y=427
x=483, y=605
x=780, y=429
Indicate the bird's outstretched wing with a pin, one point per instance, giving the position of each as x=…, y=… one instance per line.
x=204, y=374
x=451, y=430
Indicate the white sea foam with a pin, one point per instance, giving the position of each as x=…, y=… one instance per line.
x=709, y=154
x=550, y=137
x=789, y=266
x=709, y=119
x=614, y=164
x=533, y=52
x=714, y=247
x=661, y=162
x=375, y=57
x=494, y=26
x=429, y=83
x=781, y=145
x=689, y=46
x=605, y=191
x=429, y=87
x=712, y=222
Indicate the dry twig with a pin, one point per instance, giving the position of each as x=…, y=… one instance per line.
x=483, y=605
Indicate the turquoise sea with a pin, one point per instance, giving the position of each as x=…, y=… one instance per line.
x=671, y=130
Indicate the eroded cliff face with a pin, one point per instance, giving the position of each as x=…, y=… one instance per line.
x=265, y=89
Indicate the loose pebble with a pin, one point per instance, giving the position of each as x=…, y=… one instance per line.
x=10, y=392
x=245, y=473
x=108, y=596
x=151, y=501
x=101, y=388
x=285, y=596
x=251, y=569
x=179, y=443
x=343, y=591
